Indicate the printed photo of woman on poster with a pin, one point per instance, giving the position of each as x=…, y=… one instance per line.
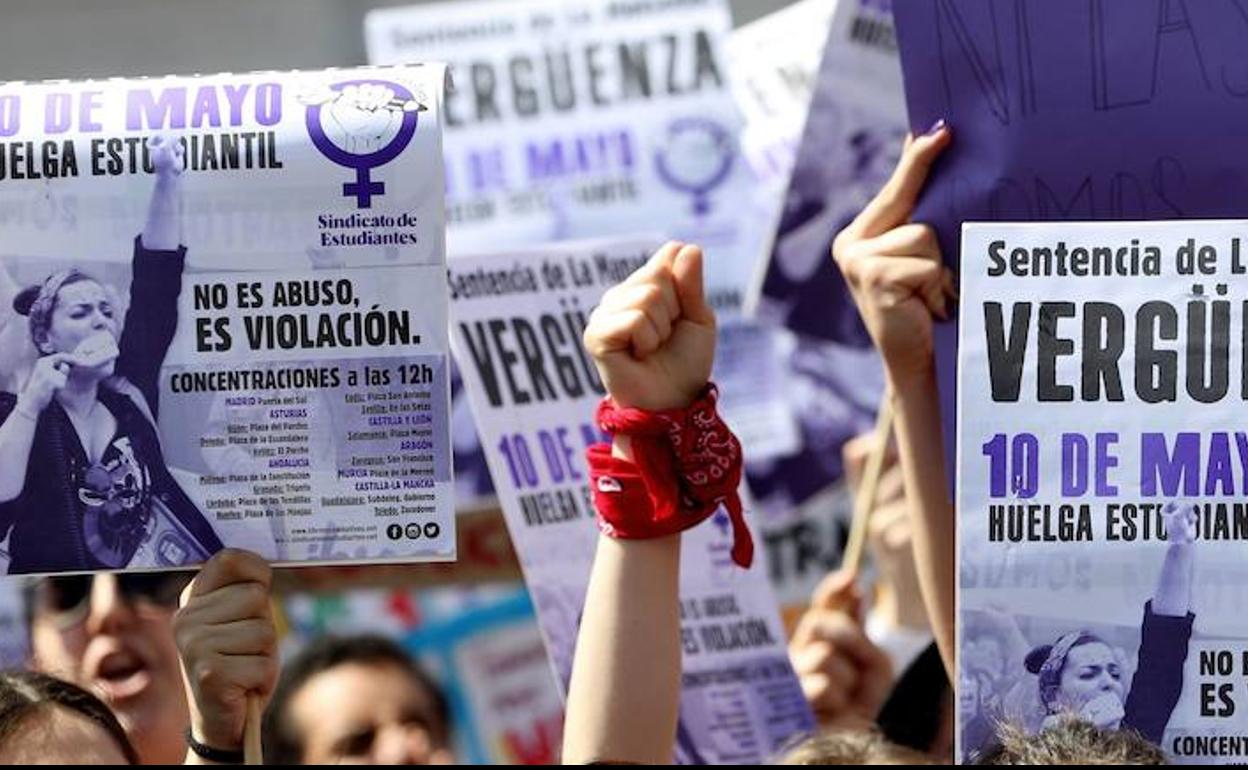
x=1083, y=674
x=83, y=481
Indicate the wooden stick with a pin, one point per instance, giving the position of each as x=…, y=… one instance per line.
x=253, y=753
x=864, y=496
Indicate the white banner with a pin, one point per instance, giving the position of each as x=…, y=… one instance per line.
x=1100, y=480
x=228, y=320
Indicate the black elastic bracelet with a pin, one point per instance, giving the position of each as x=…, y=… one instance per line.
x=220, y=756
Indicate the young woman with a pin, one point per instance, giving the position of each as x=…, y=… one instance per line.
x=1080, y=673
x=83, y=483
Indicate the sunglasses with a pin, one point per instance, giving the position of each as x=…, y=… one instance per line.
x=69, y=596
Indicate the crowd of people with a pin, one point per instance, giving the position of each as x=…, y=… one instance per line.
x=165, y=667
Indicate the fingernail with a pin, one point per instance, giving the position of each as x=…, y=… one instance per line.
x=936, y=128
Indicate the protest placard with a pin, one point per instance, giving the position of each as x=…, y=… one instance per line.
x=590, y=118
x=1101, y=477
x=224, y=320
x=517, y=321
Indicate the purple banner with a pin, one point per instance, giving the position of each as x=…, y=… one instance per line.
x=1075, y=110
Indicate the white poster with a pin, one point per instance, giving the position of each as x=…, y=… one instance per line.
x=224, y=320
x=1101, y=479
x=592, y=118
x=516, y=325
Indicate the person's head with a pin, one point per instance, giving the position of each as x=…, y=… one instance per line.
x=1077, y=671
x=68, y=309
x=44, y=720
x=1071, y=742
x=113, y=635
x=971, y=693
x=986, y=650
x=851, y=747
x=360, y=700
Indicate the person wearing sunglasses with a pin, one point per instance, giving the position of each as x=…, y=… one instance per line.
x=120, y=636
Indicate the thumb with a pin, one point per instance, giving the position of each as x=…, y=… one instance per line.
x=227, y=567
x=690, y=287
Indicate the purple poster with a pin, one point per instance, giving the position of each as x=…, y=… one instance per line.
x=1076, y=110
x=827, y=366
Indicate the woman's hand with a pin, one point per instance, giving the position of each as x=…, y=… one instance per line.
x=1180, y=523
x=51, y=373
x=228, y=644
x=166, y=155
x=893, y=267
x=653, y=336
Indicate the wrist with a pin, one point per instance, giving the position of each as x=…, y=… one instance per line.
x=622, y=447
x=206, y=750
x=221, y=732
x=666, y=471
x=911, y=376
x=662, y=402
x=28, y=407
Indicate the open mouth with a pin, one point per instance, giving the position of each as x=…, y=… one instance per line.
x=122, y=675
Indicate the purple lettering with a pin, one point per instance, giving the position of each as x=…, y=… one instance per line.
x=88, y=103
x=10, y=114
x=268, y=103
x=145, y=111
x=235, y=96
x=1160, y=469
x=205, y=108
x=58, y=113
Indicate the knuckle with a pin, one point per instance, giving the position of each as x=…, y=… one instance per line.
x=256, y=597
x=872, y=274
x=841, y=245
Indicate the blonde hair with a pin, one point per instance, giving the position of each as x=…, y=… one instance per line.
x=851, y=747
x=1071, y=741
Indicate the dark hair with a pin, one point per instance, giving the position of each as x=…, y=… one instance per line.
x=1049, y=678
x=283, y=745
x=1035, y=659
x=24, y=694
x=1071, y=742
x=916, y=708
x=38, y=302
x=24, y=299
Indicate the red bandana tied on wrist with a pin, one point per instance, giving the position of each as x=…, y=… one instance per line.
x=687, y=462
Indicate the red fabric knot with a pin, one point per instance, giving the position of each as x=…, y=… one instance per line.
x=687, y=463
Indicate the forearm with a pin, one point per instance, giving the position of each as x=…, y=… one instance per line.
x=921, y=452
x=1173, y=597
x=625, y=691
x=624, y=696
x=163, y=229
x=17, y=436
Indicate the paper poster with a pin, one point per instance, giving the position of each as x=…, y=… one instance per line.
x=517, y=321
x=774, y=61
x=1101, y=479
x=826, y=366
x=224, y=320
x=583, y=118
